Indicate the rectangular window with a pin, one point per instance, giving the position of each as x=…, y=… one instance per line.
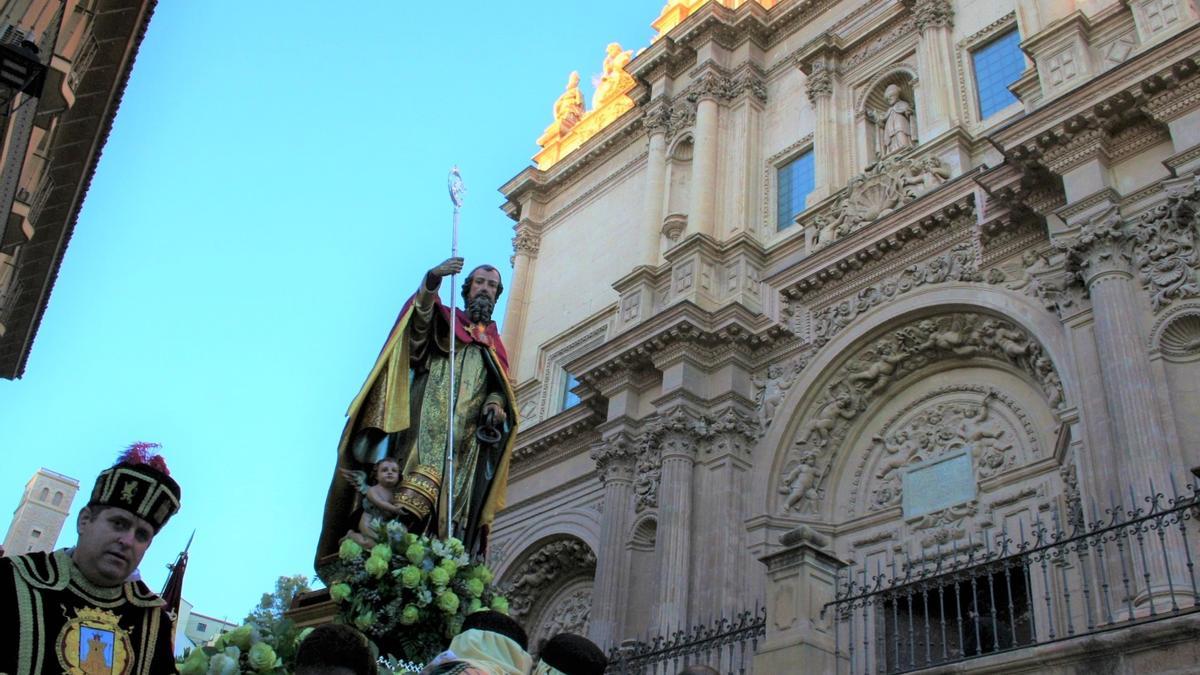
x=36, y=534
x=997, y=64
x=795, y=181
x=569, y=399
x=201, y=626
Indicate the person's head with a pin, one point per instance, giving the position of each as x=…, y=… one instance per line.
x=480, y=291
x=335, y=649
x=699, y=669
x=891, y=94
x=386, y=472
x=573, y=655
x=129, y=504
x=496, y=622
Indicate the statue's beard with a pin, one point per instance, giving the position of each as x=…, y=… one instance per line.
x=479, y=309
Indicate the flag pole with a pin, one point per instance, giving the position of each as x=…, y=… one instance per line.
x=457, y=189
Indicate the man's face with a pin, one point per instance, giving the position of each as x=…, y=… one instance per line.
x=111, y=544
x=484, y=282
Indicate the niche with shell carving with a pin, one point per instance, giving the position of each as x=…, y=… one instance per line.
x=887, y=115
x=679, y=183
x=1179, y=345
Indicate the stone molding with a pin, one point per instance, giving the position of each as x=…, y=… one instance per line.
x=872, y=369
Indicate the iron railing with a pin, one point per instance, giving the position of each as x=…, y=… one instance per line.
x=728, y=645
x=998, y=593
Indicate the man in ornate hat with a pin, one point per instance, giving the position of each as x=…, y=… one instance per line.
x=570, y=654
x=78, y=610
x=402, y=411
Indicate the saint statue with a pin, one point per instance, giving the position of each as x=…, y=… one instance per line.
x=402, y=412
x=568, y=109
x=895, y=125
x=614, y=81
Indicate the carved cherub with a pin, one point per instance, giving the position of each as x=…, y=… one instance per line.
x=801, y=481
x=1011, y=342
x=772, y=389
x=877, y=374
x=377, y=495
x=841, y=406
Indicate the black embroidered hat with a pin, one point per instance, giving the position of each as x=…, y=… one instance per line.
x=574, y=655
x=139, y=483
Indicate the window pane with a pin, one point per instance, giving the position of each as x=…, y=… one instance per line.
x=794, y=184
x=998, y=64
x=569, y=398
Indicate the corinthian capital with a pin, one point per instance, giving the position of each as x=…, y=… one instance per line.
x=1100, y=248
x=527, y=239
x=931, y=13
x=657, y=118
x=819, y=83
x=714, y=86
x=615, y=458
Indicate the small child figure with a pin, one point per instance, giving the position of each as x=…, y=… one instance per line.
x=377, y=506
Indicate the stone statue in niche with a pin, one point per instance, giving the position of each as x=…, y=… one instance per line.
x=894, y=126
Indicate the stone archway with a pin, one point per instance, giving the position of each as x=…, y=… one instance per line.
x=863, y=377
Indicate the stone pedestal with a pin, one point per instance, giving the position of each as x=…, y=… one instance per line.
x=801, y=579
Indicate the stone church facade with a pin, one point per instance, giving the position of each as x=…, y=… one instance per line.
x=865, y=286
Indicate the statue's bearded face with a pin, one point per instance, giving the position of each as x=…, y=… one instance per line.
x=479, y=309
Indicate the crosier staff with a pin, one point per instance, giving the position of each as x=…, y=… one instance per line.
x=457, y=190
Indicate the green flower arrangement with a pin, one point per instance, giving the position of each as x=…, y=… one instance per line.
x=246, y=650
x=410, y=593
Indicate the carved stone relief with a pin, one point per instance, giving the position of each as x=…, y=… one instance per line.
x=555, y=561
x=877, y=192
x=773, y=386
x=948, y=416
x=648, y=474
x=873, y=369
x=957, y=264
x=945, y=526
x=1181, y=337
x=1165, y=253
x=568, y=613
x=1041, y=275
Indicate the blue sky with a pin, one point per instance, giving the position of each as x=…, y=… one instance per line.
x=272, y=190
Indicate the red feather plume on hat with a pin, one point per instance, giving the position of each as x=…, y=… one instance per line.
x=139, y=453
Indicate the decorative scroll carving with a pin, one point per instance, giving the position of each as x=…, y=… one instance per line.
x=873, y=369
x=957, y=264
x=1165, y=253
x=945, y=525
x=1101, y=246
x=556, y=560
x=649, y=473
x=884, y=187
x=1044, y=276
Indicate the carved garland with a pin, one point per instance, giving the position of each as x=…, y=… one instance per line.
x=871, y=371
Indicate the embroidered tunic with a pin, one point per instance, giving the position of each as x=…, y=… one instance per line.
x=56, y=621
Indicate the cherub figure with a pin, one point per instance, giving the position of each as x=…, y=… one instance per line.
x=377, y=494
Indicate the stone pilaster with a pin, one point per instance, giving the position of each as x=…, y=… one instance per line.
x=1100, y=255
x=825, y=93
x=525, y=249
x=801, y=579
x=708, y=92
x=679, y=439
x=937, y=107
x=615, y=459
x=657, y=123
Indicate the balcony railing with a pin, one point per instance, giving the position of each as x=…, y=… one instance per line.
x=728, y=645
x=1010, y=590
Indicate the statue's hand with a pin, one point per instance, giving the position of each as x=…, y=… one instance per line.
x=450, y=266
x=497, y=413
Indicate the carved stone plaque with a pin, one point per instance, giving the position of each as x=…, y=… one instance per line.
x=938, y=484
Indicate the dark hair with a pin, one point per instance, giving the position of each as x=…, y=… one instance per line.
x=335, y=645
x=699, y=669
x=466, y=286
x=496, y=622
x=574, y=655
x=373, y=479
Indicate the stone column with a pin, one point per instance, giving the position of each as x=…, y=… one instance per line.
x=703, y=191
x=827, y=173
x=525, y=250
x=678, y=441
x=656, y=123
x=1100, y=254
x=937, y=107
x=801, y=578
x=615, y=459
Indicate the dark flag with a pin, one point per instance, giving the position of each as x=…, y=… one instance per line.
x=172, y=592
